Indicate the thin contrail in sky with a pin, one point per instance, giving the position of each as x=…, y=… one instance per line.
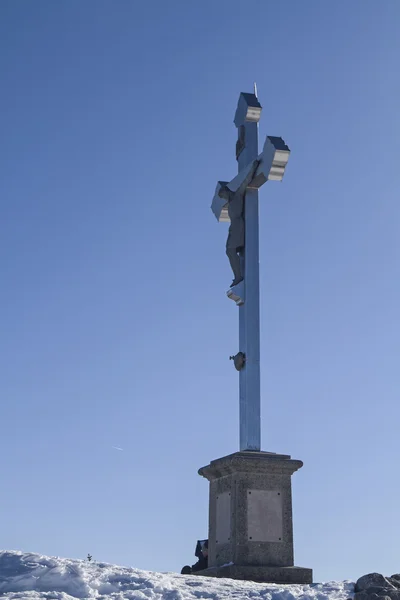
x=117, y=448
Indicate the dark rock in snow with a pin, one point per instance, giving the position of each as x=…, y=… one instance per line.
x=373, y=580
x=393, y=594
x=375, y=593
x=366, y=596
x=381, y=591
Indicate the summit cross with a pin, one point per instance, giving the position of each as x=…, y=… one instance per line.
x=237, y=202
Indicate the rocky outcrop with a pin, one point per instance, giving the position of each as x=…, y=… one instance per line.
x=375, y=586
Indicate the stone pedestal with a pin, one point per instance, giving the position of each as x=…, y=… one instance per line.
x=250, y=520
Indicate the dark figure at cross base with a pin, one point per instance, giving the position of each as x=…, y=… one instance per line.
x=236, y=236
x=201, y=553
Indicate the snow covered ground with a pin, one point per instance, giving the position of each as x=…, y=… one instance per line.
x=36, y=577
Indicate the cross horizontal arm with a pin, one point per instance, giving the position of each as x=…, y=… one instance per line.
x=272, y=162
x=271, y=167
x=243, y=179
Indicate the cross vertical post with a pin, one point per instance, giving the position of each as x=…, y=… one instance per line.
x=249, y=311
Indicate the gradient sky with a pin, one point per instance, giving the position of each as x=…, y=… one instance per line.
x=116, y=120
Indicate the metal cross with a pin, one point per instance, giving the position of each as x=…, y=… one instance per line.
x=237, y=202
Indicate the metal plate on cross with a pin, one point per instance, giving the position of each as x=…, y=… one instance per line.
x=238, y=360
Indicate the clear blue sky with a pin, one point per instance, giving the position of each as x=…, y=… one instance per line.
x=115, y=123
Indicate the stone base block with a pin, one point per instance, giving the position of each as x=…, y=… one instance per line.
x=261, y=574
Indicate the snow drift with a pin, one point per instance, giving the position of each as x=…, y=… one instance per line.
x=36, y=577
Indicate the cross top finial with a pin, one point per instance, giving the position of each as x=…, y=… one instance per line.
x=248, y=109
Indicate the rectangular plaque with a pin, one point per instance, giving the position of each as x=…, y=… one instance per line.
x=264, y=515
x=223, y=528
